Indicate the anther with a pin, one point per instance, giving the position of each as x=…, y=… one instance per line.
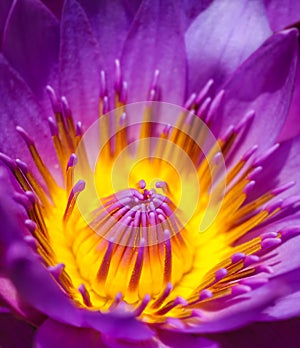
x=53, y=99
x=85, y=295
x=204, y=91
x=78, y=187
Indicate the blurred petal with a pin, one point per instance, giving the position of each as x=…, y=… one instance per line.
x=177, y=340
x=276, y=335
x=155, y=41
x=282, y=13
x=79, y=63
x=15, y=333
x=221, y=38
x=31, y=45
x=265, y=86
x=5, y=8
x=54, y=6
x=53, y=334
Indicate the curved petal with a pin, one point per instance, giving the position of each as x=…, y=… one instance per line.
x=31, y=45
x=15, y=333
x=19, y=107
x=282, y=13
x=221, y=38
x=264, y=85
x=155, y=41
x=280, y=168
x=79, y=63
x=66, y=336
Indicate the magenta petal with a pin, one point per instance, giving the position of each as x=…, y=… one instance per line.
x=221, y=38
x=31, y=45
x=79, y=63
x=15, y=333
x=155, y=41
x=53, y=334
x=264, y=85
x=19, y=107
x=282, y=13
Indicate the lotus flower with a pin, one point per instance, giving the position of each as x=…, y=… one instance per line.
x=155, y=207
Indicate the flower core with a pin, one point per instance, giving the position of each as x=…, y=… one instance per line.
x=147, y=217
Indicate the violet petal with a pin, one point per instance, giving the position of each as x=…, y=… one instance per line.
x=265, y=86
x=66, y=336
x=292, y=125
x=157, y=30
x=79, y=63
x=110, y=22
x=282, y=13
x=221, y=38
x=19, y=107
x=31, y=45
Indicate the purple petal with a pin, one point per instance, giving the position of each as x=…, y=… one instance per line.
x=11, y=299
x=264, y=85
x=220, y=316
x=110, y=21
x=79, y=63
x=283, y=334
x=284, y=307
x=36, y=286
x=155, y=41
x=53, y=334
x=15, y=333
x=19, y=107
x=193, y=8
x=221, y=38
x=282, y=13
x=292, y=126
x=279, y=169
x=31, y=45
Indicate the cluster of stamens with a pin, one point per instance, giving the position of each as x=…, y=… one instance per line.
x=133, y=248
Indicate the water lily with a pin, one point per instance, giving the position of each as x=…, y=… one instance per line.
x=145, y=198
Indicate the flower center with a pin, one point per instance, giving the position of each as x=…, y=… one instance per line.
x=147, y=216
